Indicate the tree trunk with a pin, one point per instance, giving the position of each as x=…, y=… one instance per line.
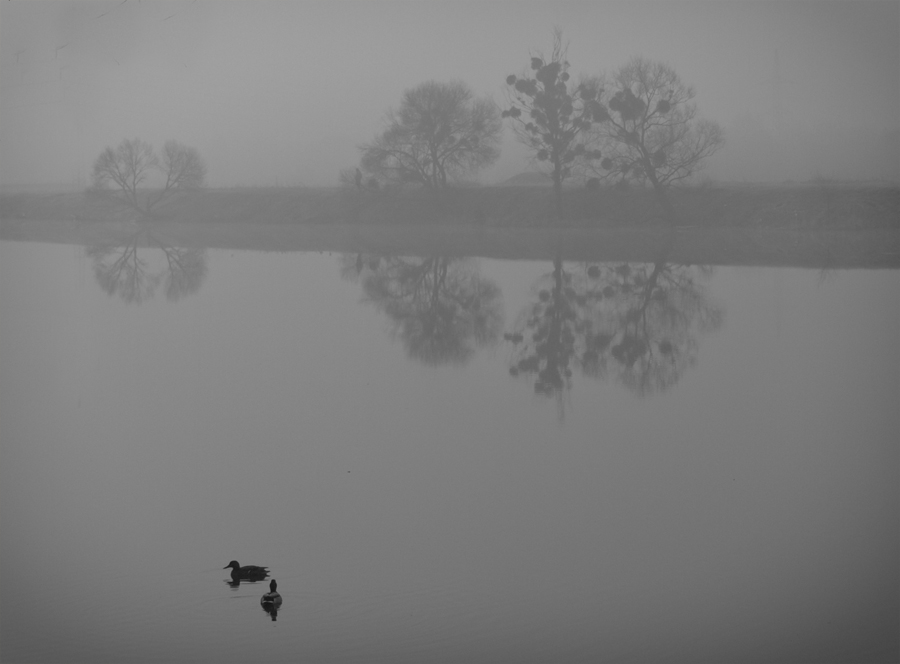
x=659, y=189
x=662, y=197
x=557, y=190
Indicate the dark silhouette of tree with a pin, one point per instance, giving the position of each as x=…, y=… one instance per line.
x=635, y=322
x=654, y=133
x=441, y=308
x=440, y=131
x=552, y=117
x=129, y=167
x=126, y=269
x=183, y=168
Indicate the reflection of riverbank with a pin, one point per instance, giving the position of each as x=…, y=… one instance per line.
x=694, y=246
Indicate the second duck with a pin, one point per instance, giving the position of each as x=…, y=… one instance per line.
x=247, y=572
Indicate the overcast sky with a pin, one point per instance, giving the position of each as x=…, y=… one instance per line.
x=285, y=91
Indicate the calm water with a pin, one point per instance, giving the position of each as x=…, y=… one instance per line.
x=444, y=460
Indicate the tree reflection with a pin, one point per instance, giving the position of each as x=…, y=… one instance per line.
x=635, y=322
x=124, y=268
x=440, y=308
x=554, y=323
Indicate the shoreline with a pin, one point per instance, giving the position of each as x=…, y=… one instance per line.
x=834, y=249
x=810, y=206
x=816, y=225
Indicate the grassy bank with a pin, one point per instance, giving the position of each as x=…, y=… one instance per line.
x=825, y=249
x=816, y=226
x=814, y=206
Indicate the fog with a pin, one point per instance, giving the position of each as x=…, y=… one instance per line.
x=278, y=93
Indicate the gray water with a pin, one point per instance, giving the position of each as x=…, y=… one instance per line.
x=707, y=473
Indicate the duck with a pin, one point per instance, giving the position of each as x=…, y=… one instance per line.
x=271, y=597
x=246, y=573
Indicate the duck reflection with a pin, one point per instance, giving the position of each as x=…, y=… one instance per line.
x=128, y=268
x=271, y=610
x=635, y=322
x=441, y=309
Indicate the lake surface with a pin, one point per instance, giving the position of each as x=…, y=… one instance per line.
x=445, y=460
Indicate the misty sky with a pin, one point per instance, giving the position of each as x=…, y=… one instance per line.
x=284, y=92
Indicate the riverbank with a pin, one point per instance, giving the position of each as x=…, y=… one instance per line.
x=810, y=206
x=825, y=249
x=797, y=226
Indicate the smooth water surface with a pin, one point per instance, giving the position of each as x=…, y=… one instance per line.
x=444, y=460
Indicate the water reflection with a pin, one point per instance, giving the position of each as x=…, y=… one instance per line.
x=770, y=522
x=441, y=308
x=635, y=322
x=271, y=610
x=127, y=268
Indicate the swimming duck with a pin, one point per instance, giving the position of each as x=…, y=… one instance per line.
x=271, y=597
x=247, y=572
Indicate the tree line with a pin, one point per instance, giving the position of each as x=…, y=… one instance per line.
x=638, y=124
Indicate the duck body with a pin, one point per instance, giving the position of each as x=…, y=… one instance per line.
x=247, y=572
x=271, y=598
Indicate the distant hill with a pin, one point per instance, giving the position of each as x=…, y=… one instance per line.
x=527, y=179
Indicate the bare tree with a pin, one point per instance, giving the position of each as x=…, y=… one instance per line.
x=439, y=131
x=654, y=133
x=129, y=166
x=183, y=167
x=551, y=117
